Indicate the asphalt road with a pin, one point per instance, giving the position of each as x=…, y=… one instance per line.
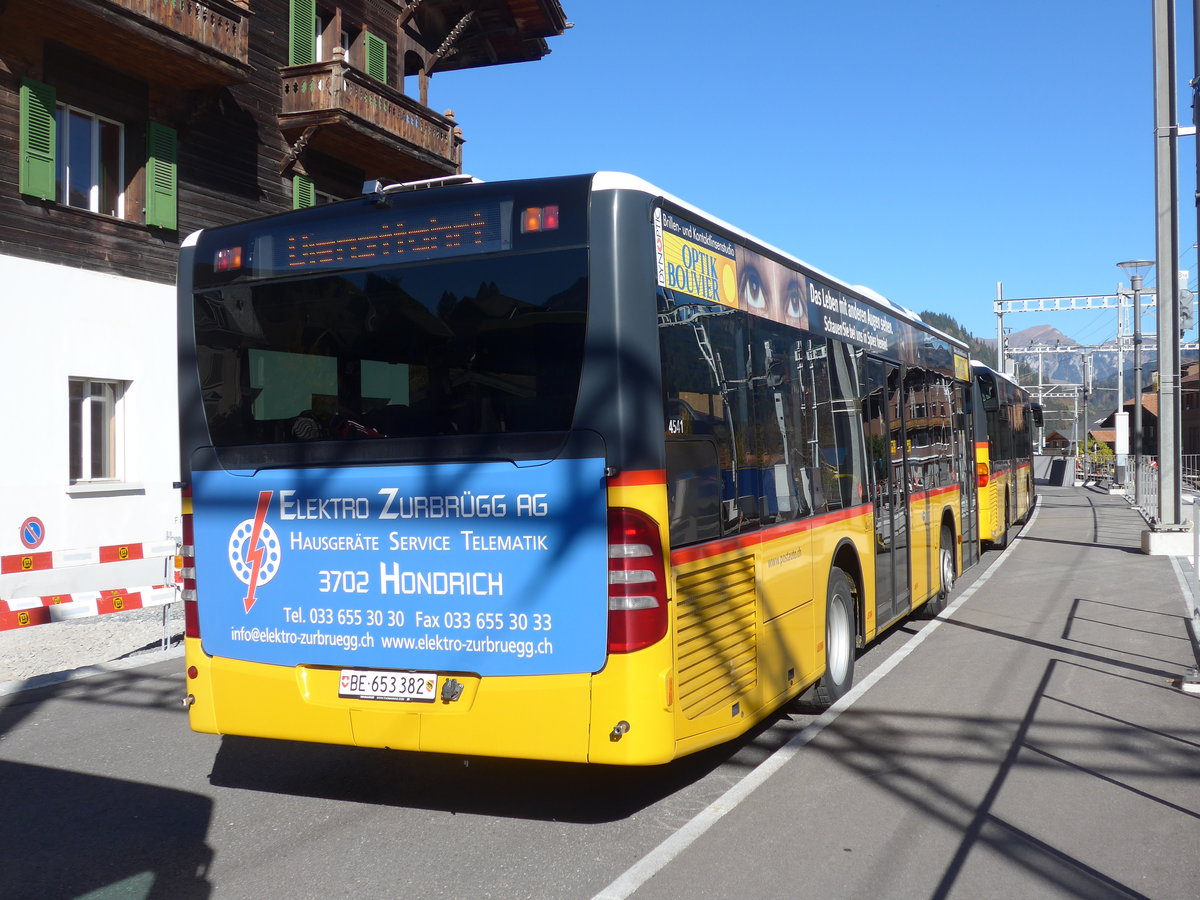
x=105, y=789
x=996, y=754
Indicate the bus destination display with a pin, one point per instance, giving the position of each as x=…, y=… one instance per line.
x=426, y=233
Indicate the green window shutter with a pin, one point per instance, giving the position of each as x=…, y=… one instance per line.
x=376, y=53
x=302, y=41
x=304, y=192
x=38, y=140
x=162, y=176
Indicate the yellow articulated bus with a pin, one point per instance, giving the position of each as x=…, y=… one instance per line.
x=1005, y=417
x=557, y=469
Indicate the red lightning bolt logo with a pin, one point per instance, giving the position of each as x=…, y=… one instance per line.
x=254, y=552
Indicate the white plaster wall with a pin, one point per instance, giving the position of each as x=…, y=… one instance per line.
x=58, y=323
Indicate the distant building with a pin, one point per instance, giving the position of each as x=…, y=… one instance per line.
x=128, y=125
x=1107, y=426
x=1057, y=442
x=1189, y=402
x=1105, y=436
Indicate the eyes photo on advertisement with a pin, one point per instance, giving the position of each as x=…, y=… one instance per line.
x=771, y=289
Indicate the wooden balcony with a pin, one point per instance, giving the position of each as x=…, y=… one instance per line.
x=336, y=109
x=185, y=43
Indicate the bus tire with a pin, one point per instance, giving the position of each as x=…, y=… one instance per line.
x=839, y=640
x=938, y=602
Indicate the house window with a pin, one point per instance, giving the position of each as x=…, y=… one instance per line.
x=78, y=159
x=314, y=32
x=306, y=194
x=331, y=32
x=89, y=162
x=95, y=433
x=323, y=47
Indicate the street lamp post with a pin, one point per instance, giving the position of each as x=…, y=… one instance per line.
x=1134, y=268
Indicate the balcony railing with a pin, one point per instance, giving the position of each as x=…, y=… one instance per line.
x=370, y=123
x=220, y=27
x=182, y=43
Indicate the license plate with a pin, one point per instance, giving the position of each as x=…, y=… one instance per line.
x=362, y=684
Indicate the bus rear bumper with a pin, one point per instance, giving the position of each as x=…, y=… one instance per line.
x=543, y=717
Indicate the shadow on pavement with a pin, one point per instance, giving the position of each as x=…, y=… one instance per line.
x=1120, y=772
x=155, y=685
x=66, y=834
x=519, y=789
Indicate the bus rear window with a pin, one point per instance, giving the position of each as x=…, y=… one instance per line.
x=478, y=346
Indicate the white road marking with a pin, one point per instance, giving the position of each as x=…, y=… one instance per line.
x=658, y=858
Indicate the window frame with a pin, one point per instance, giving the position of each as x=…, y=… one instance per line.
x=333, y=28
x=107, y=395
x=64, y=116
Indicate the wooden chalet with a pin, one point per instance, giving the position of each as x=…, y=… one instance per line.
x=1057, y=443
x=126, y=125
x=1107, y=425
x=226, y=109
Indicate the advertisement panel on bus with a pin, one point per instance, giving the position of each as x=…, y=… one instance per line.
x=490, y=568
x=693, y=260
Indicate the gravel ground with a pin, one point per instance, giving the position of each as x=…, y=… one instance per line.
x=60, y=647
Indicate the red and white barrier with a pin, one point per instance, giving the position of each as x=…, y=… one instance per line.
x=23, y=612
x=61, y=559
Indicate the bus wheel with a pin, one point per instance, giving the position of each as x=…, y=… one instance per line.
x=937, y=603
x=839, y=640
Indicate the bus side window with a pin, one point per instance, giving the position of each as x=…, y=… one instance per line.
x=840, y=453
x=781, y=423
x=693, y=490
x=939, y=462
x=706, y=394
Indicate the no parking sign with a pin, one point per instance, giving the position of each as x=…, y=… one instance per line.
x=33, y=532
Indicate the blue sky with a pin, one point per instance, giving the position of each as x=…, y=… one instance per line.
x=928, y=149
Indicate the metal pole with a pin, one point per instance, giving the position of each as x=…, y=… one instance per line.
x=1083, y=425
x=1121, y=350
x=1000, y=327
x=1074, y=424
x=1195, y=83
x=1041, y=438
x=1122, y=458
x=1170, y=499
x=1136, y=281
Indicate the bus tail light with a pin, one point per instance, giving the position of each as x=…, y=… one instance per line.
x=191, y=616
x=227, y=259
x=982, y=475
x=539, y=218
x=637, y=582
